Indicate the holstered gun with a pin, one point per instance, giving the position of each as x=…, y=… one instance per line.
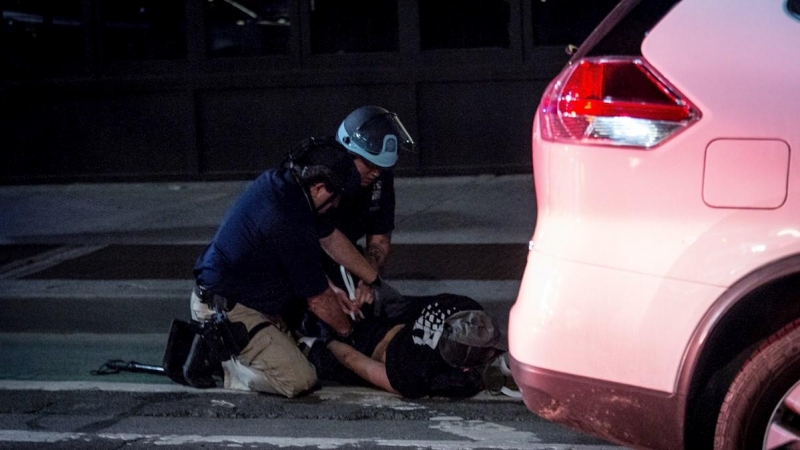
x=195, y=350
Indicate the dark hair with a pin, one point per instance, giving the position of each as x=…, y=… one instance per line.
x=311, y=175
x=323, y=160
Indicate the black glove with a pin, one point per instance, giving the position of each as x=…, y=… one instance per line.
x=388, y=300
x=311, y=326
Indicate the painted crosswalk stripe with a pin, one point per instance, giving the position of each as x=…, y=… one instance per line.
x=44, y=437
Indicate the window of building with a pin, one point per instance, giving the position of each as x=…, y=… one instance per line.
x=43, y=33
x=247, y=27
x=567, y=22
x=354, y=26
x=463, y=24
x=135, y=30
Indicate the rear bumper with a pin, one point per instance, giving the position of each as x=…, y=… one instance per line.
x=624, y=414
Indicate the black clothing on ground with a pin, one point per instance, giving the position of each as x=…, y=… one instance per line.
x=414, y=366
x=365, y=337
x=413, y=363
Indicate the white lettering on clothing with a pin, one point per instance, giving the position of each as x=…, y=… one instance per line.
x=431, y=323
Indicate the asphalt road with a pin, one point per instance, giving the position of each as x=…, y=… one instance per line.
x=91, y=273
x=331, y=418
x=66, y=316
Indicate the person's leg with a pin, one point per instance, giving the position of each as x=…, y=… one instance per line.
x=271, y=362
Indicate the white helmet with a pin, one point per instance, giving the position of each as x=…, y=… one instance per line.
x=374, y=134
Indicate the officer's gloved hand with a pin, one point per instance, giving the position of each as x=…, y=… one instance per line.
x=387, y=300
x=312, y=326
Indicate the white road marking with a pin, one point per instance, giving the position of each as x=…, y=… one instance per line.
x=479, y=430
x=474, y=434
x=366, y=396
x=24, y=385
x=321, y=443
x=45, y=260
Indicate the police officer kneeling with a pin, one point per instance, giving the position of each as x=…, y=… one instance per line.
x=263, y=268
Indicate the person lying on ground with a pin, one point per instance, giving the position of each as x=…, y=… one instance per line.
x=440, y=348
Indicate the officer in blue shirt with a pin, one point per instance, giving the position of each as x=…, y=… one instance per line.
x=373, y=136
x=264, y=262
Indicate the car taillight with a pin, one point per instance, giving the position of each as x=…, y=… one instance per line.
x=617, y=101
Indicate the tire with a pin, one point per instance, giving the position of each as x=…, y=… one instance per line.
x=756, y=402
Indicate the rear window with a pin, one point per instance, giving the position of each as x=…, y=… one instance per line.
x=794, y=7
x=624, y=29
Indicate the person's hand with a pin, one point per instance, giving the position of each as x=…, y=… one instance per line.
x=389, y=302
x=349, y=307
x=364, y=294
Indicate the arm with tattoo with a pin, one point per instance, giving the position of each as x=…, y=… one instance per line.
x=378, y=249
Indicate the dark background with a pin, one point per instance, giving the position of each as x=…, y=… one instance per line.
x=147, y=90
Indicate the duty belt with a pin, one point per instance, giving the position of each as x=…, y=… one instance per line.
x=214, y=301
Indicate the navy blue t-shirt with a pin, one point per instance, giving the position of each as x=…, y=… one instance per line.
x=265, y=254
x=369, y=211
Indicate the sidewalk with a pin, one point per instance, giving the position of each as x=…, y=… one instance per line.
x=471, y=210
x=92, y=272
x=68, y=227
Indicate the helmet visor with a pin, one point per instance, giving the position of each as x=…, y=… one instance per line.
x=459, y=355
x=375, y=136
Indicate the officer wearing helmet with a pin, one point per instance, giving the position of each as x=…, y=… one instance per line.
x=262, y=268
x=373, y=136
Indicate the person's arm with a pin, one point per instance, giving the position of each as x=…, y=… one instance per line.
x=345, y=253
x=362, y=365
x=341, y=250
x=380, y=222
x=378, y=249
x=327, y=307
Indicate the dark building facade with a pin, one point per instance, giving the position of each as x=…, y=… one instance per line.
x=129, y=90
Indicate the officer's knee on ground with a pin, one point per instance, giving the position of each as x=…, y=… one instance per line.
x=303, y=380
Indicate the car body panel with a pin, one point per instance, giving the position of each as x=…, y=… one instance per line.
x=592, y=202
x=557, y=326
x=637, y=252
x=617, y=412
x=642, y=211
x=761, y=167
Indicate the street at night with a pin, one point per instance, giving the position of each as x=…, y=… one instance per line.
x=96, y=273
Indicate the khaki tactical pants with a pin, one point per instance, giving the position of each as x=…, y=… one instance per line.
x=271, y=362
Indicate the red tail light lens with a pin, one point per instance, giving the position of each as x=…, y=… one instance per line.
x=613, y=102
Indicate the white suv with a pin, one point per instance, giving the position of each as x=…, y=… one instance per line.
x=660, y=305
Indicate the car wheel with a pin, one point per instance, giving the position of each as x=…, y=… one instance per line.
x=762, y=406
